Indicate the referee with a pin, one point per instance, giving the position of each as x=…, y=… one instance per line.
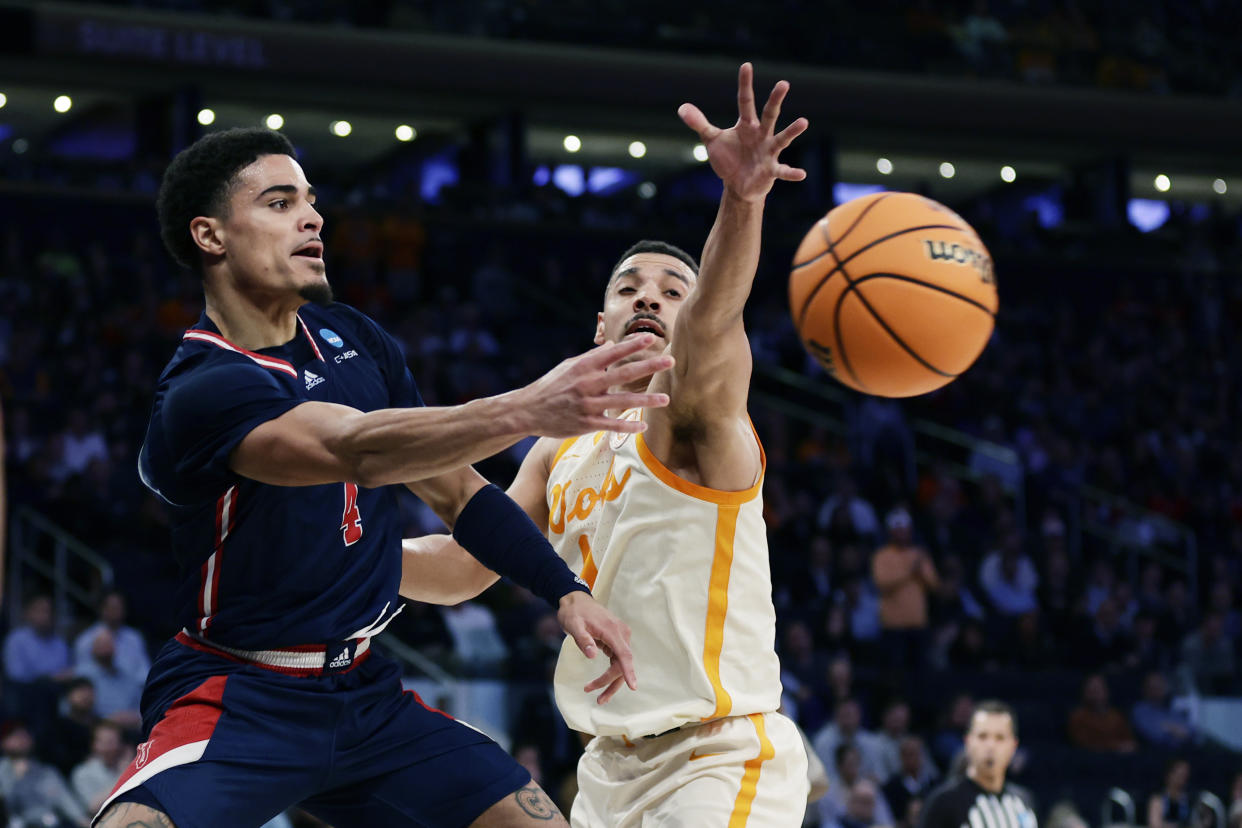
x=982, y=798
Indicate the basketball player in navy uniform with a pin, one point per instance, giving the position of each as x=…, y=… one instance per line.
x=983, y=797
x=277, y=432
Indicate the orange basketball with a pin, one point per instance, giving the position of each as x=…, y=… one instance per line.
x=893, y=293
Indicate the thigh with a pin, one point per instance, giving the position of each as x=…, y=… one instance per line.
x=234, y=750
x=450, y=786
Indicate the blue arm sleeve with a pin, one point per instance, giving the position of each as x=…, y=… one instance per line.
x=503, y=538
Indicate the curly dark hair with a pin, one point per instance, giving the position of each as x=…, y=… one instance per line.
x=198, y=181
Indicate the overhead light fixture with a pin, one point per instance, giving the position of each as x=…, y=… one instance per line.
x=274, y=121
x=342, y=128
x=572, y=143
x=206, y=117
x=700, y=152
x=646, y=190
x=405, y=132
x=1220, y=187
x=637, y=150
x=947, y=170
x=1163, y=183
x=63, y=103
x=883, y=166
x=3, y=100
x=1008, y=174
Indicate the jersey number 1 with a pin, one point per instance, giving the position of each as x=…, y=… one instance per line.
x=351, y=520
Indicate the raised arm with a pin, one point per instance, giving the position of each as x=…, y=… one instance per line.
x=713, y=374
x=327, y=443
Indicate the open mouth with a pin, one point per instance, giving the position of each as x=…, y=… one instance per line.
x=645, y=325
x=314, y=250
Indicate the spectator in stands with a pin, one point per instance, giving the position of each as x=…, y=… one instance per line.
x=903, y=574
x=947, y=742
x=131, y=650
x=70, y=735
x=95, y=778
x=1107, y=644
x=862, y=613
x=35, y=650
x=864, y=807
x=846, y=517
x=117, y=694
x=846, y=729
x=82, y=444
x=1008, y=577
x=1179, y=613
x=1209, y=656
x=1095, y=724
x=914, y=778
x=1171, y=806
x=834, y=806
x=35, y=794
x=477, y=645
x=1147, y=653
x=1221, y=601
x=802, y=667
x=1155, y=719
x=894, y=731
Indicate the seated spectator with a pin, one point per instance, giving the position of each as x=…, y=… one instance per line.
x=846, y=517
x=1156, y=721
x=1208, y=654
x=95, y=778
x=865, y=807
x=862, y=614
x=947, y=742
x=34, y=793
x=846, y=729
x=1095, y=725
x=1009, y=579
x=894, y=731
x=131, y=650
x=1172, y=806
x=117, y=694
x=69, y=738
x=834, y=806
x=1221, y=601
x=35, y=650
x=1107, y=644
x=801, y=668
x=913, y=780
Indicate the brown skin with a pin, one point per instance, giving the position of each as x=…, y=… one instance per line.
x=990, y=746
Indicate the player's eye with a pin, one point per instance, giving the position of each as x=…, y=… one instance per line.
x=626, y=290
x=676, y=294
x=280, y=203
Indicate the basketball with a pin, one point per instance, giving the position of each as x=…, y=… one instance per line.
x=893, y=294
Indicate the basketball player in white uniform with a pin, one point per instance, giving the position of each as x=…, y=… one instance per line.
x=666, y=527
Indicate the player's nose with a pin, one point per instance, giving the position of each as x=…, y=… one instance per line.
x=312, y=220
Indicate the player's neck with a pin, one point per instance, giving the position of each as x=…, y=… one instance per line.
x=252, y=322
x=990, y=783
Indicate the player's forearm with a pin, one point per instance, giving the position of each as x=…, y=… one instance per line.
x=436, y=570
x=403, y=445
x=730, y=258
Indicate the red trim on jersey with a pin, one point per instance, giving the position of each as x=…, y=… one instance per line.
x=314, y=345
x=220, y=342
x=426, y=706
x=191, y=718
x=209, y=594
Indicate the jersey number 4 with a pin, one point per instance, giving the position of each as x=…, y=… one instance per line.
x=351, y=520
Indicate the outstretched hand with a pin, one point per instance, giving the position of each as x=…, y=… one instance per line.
x=595, y=629
x=746, y=155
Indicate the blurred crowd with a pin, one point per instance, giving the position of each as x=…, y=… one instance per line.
x=887, y=571
x=1154, y=45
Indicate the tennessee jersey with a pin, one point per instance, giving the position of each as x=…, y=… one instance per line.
x=685, y=566
x=273, y=566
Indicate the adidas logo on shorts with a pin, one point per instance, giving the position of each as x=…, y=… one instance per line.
x=312, y=379
x=342, y=660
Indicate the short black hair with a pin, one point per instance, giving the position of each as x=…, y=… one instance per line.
x=996, y=706
x=838, y=755
x=652, y=246
x=198, y=180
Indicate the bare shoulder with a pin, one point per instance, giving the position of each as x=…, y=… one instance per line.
x=134, y=815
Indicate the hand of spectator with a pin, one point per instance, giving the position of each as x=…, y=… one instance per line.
x=745, y=155
x=594, y=628
x=573, y=397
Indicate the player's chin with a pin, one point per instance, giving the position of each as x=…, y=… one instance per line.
x=318, y=292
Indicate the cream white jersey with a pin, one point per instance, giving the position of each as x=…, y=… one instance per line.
x=685, y=566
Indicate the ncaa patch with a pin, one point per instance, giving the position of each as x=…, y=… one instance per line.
x=330, y=337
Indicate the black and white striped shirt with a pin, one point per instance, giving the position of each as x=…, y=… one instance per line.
x=962, y=803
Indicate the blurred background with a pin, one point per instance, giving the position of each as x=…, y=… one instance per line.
x=483, y=164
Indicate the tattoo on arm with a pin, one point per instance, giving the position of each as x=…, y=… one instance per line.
x=536, y=803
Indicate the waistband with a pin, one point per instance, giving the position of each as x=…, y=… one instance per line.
x=305, y=661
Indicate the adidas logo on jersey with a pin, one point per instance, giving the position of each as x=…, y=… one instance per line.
x=312, y=379
x=342, y=660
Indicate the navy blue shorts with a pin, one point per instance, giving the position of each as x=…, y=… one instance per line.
x=232, y=744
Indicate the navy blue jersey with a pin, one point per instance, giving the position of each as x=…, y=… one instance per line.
x=275, y=566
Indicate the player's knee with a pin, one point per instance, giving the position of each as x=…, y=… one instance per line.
x=133, y=815
x=527, y=806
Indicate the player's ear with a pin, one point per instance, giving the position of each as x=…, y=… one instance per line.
x=207, y=234
x=599, y=328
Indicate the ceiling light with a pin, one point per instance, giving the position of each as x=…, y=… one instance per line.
x=637, y=150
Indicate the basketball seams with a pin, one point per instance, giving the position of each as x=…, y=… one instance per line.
x=836, y=311
x=857, y=220
x=904, y=278
x=850, y=287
